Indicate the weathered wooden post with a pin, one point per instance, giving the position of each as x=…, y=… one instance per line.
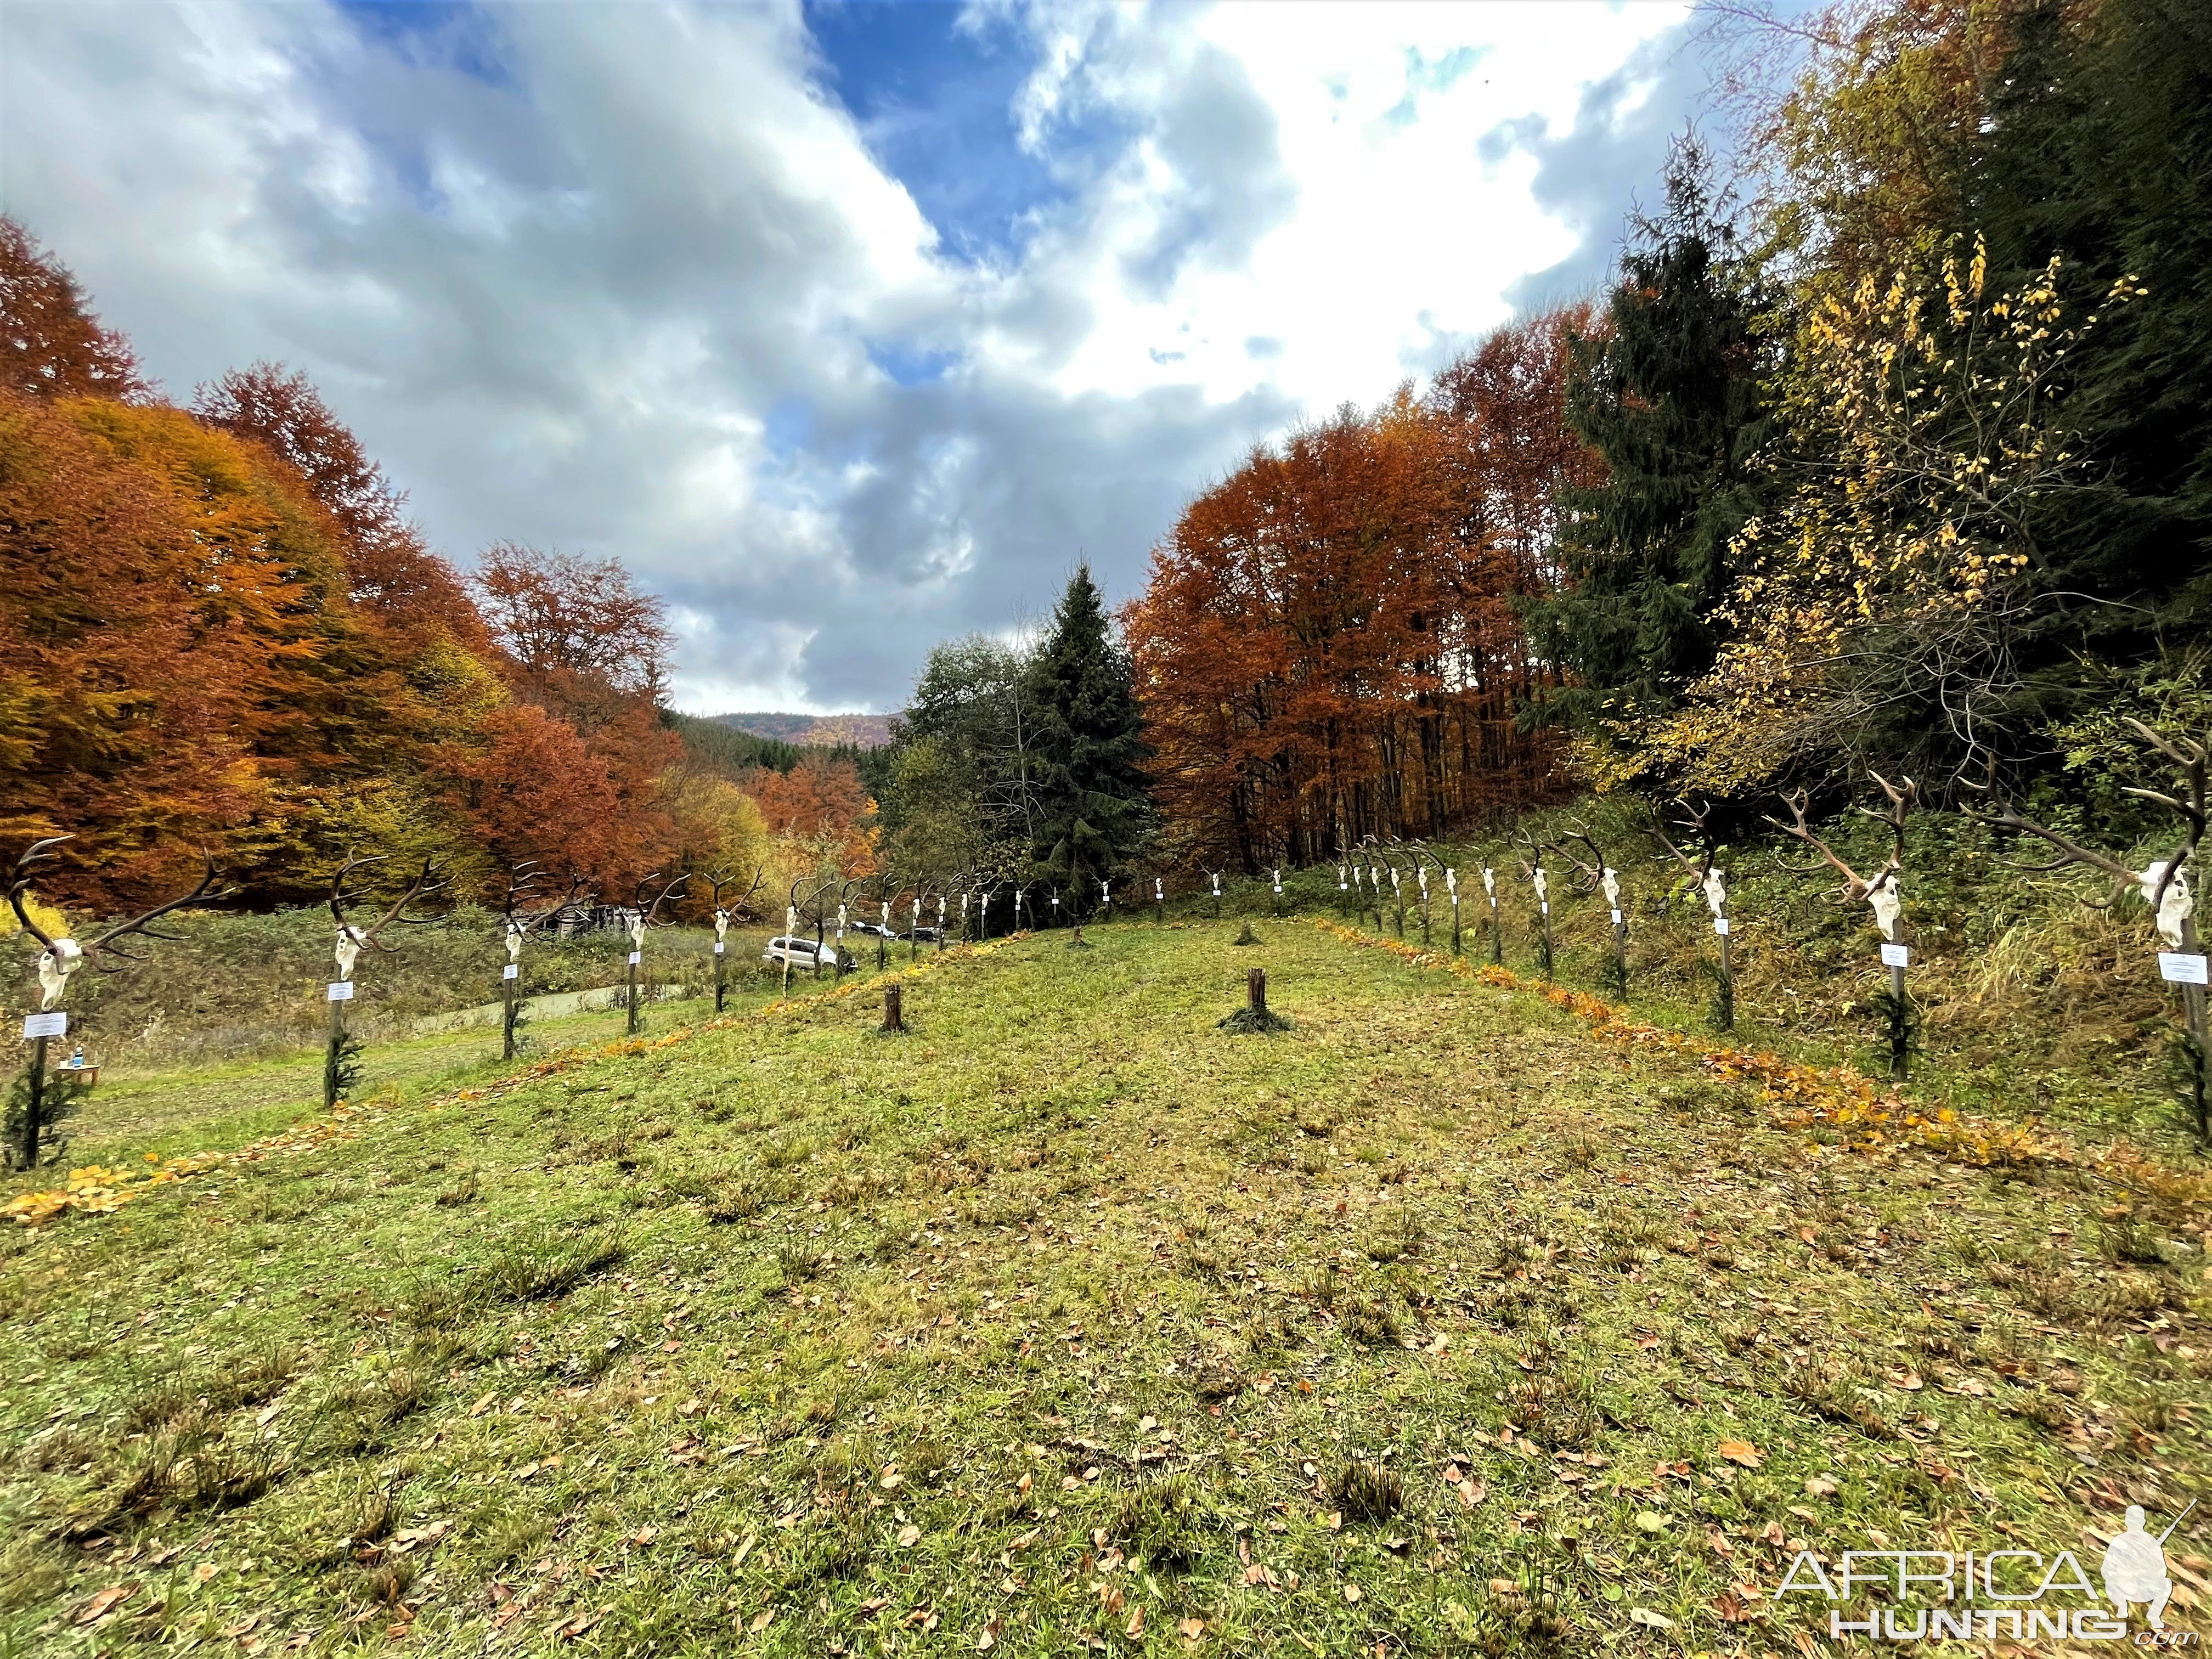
x=1595, y=874
x=1278, y=890
x=914, y=926
x=1256, y=992
x=1421, y=873
x=1451, y=883
x=1216, y=874
x=790, y=933
x=1106, y=901
x=1497, y=924
x=1343, y=889
x=60, y=955
x=883, y=939
x=1160, y=902
x=1882, y=893
x=1017, y=911
x=1703, y=876
x=894, y=1012
x=337, y=1074
x=2163, y=885
x=940, y=923
x=723, y=914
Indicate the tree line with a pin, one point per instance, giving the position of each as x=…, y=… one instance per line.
x=219, y=630
x=1895, y=451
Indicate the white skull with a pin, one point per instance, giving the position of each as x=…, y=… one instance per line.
x=841, y=921
x=917, y=911
x=1393, y=878
x=1889, y=903
x=790, y=918
x=963, y=909
x=515, y=931
x=2175, y=906
x=1715, y=886
x=350, y=940
x=1543, y=884
x=887, y=911
x=1159, y=891
x=721, y=925
x=1451, y=884
x=940, y=909
x=637, y=929
x=1279, y=881
x=1610, y=880
x=1217, y=883
x=1423, y=873
x=1489, y=882
x=1340, y=878
x=55, y=966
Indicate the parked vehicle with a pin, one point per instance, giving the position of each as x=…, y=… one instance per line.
x=802, y=953
x=870, y=930
x=921, y=935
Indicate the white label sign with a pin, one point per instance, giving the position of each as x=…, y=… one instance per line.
x=717, y=947
x=1546, y=906
x=2181, y=967
x=511, y=971
x=1896, y=956
x=341, y=990
x=635, y=958
x=1721, y=925
x=56, y=1024
x=1616, y=918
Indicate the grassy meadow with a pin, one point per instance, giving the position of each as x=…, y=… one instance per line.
x=1446, y=1321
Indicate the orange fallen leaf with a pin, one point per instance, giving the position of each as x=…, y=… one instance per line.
x=105, y=1603
x=1743, y=1452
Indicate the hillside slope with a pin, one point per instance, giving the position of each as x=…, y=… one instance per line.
x=816, y=731
x=1444, y=1321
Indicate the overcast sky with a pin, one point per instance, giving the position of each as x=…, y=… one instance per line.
x=849, y=327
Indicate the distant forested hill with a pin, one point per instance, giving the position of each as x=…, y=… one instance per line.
x=815, y=731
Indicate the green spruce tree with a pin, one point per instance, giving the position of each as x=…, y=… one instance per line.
x=1669, y=393
x=1092, y=814
x=2098, y=149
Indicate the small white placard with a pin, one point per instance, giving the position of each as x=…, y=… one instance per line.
x=717, y=947
x=1616, y=918
x=1896, y=956
x=341, y=990
x=635, y=958
x=1721, y=925
x=2181, y=967
x=56, y=1024
x=1545, y=905
x=512, y=970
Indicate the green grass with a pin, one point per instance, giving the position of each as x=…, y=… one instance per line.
x=1419, y=1324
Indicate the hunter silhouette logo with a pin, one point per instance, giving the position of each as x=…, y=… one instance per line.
x=2018, y=1594
x=2134, y=1567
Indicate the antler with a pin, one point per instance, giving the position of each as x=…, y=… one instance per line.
x=675, y=887
x=140, y=925
x=1901, y=802
x=1697, y=821
x=1589, y=875
x=338, y=884
x=19, y=882
x=427, y=883
x=1855, y=886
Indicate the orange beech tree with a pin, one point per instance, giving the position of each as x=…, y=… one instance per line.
x=1329, y=644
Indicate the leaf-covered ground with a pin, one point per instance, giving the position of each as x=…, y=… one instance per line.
x=1067, y=1321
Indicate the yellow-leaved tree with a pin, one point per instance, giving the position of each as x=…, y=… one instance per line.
x=1880, y=602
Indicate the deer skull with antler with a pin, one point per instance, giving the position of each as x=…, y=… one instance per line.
x=1883, y=892
x=2162, y=883
x=1701, y=875
x=63, y=955
x=352, y=937
x=522, y=880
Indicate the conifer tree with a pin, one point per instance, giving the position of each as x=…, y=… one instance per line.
x=1093, y=813
x=1668, y=393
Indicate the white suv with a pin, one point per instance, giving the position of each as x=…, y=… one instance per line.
x=801, y=952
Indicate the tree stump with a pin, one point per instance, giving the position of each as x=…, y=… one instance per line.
x=893, y=1012
x=1253, y=1017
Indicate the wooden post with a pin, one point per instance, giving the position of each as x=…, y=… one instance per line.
x=1620, y=949
x=507, y=1015
x=1543, y=914
x=1898, y=1026
x=720, y=960
x=331, y=1054
x=629, y=973
x=1727, y=1021
x=894, y=1013
x=1255, y=990
x=1497, y=934
x=1455, y=899
x=36, y=1103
